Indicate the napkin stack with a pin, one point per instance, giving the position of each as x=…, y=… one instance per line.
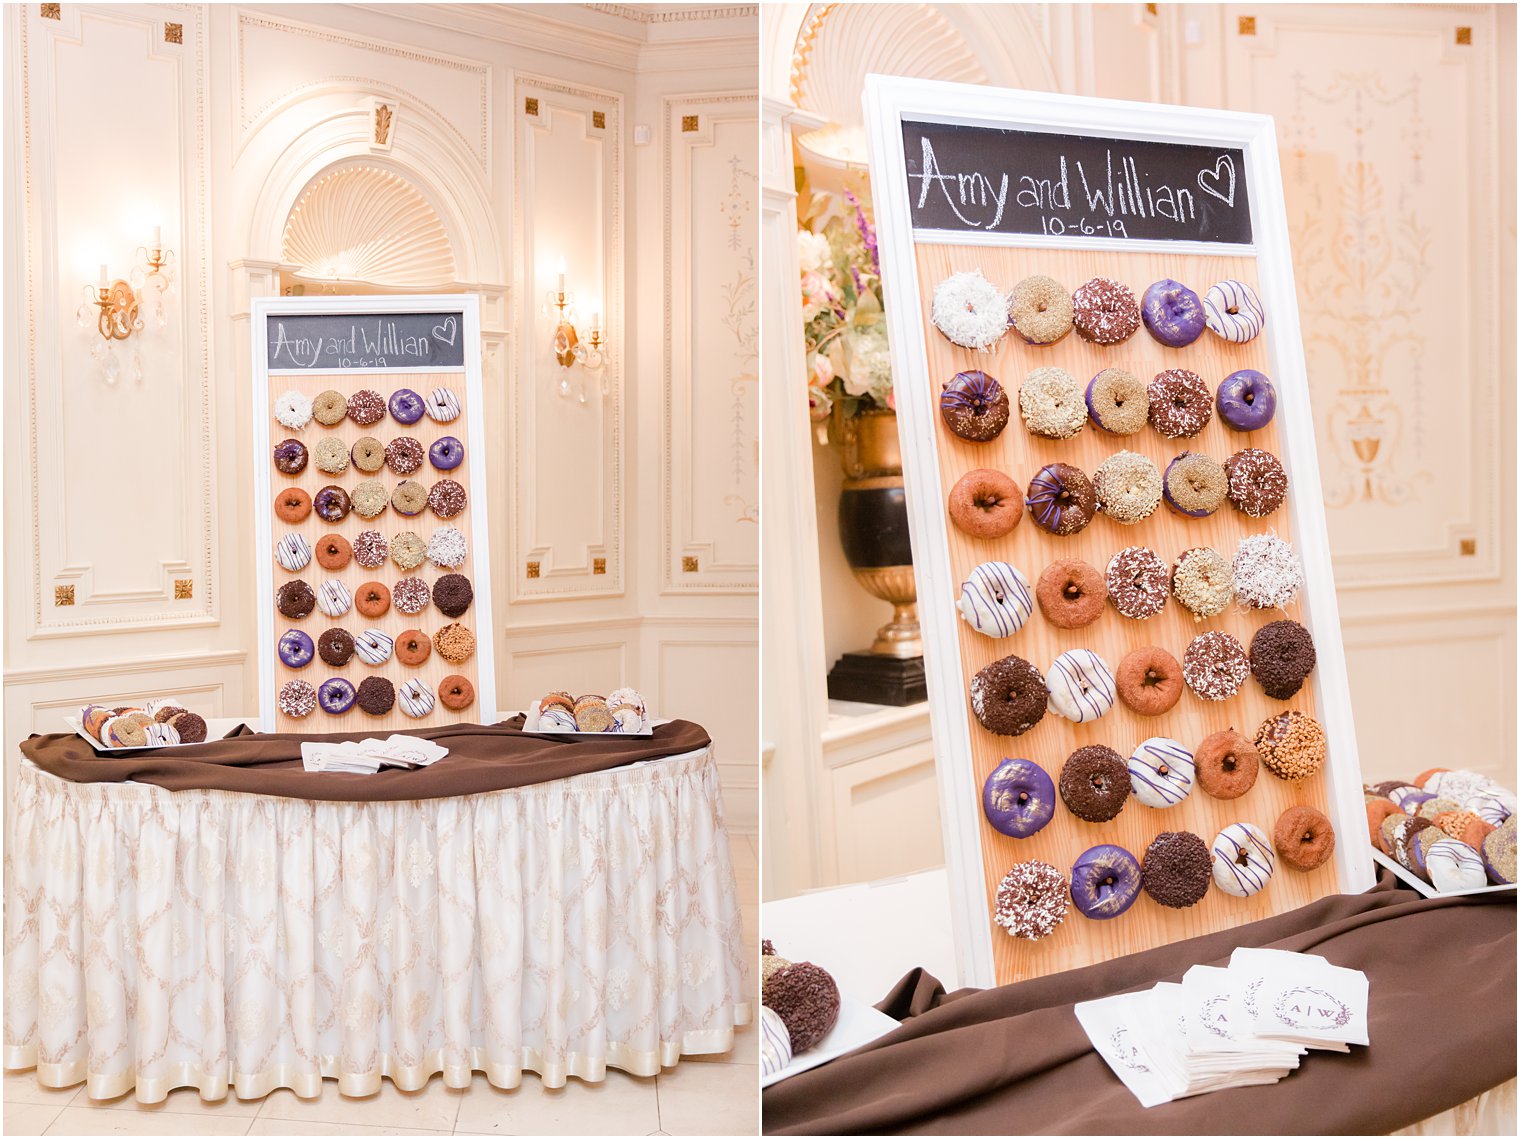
x=1227, y=1028
x=365, y=757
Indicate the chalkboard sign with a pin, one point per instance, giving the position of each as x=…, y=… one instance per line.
x=320, y=342
x=963, y=178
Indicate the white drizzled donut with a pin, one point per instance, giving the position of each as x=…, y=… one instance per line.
x=970, y=311
x=1081, y=685
x=333, y=598
x=1243, y=859
x=167, y=735
x=292, y=552
x=1161, y=772
x=555, y=719
x=373, y=646
x=416, y=698
x=996, y=600
x=1233, y=310
x=442, y=405
x=1454, y=865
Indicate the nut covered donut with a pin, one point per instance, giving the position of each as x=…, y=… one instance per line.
x=1061, y=499
x=1071, y=594
x=1127, y=487
x=1040, y=310
x=1009, y=696
x=1117, y=401
x=986, y=504
x=1051, y=402
x=974, y=406
x=1149, y=680
x=1292, y=745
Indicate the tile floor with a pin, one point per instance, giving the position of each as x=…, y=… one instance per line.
x=716, y=1095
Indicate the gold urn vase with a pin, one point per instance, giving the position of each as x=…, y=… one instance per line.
x=873, y=529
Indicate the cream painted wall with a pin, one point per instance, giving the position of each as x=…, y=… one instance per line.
x=226, y=129
x=1426, y=558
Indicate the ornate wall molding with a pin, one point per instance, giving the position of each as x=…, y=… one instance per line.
x=675, y=15
x=711, y=306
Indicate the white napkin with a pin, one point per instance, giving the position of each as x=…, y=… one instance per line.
x=368, y=756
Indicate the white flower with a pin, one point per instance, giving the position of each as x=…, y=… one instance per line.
x=819, y=404
x=870, y=365
x=813, y=252
x=818, y=295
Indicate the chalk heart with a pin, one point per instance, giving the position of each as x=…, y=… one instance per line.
x=448, y=331
x=1208, y=180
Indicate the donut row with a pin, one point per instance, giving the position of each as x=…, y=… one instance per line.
x=1034, y=897
x=972, y=312
x=1127, y=487
x=452, y=594
x=374, y=695
x=1053, y=404
x=1413, y=822
x=366, y=407
x=403, y=455
x=446, y=498
x=336, y=647
x=446, y=548
x=1019, y=796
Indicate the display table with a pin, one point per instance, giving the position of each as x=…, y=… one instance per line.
x=223, y=940
x=1014, y=1058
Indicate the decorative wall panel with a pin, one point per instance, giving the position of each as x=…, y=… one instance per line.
x=121, y=545
x=1387, y=128
x=709, y=676
x=711, y=441
x=566, y=477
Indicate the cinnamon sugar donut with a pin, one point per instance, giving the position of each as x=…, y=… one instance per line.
x=1226, y=764
x=1149, y=680
x=1303, y=837
x=1071, y=593
x=456, y=692
x=986, y=504
x=413, y=647
x=333, y=551
x=292, y=505
x=372, y=599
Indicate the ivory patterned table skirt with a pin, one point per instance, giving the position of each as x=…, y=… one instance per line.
x=221, y=940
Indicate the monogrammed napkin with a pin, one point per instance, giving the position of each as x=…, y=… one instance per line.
x=1301, y=997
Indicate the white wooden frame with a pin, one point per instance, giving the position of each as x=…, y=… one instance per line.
x=261, y=309
x=888, y=100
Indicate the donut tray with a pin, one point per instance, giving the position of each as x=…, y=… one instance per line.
x=215, y=730
x=530, y=728
x=1414, y=882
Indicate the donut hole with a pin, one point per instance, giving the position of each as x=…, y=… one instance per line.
x=1249, y=396
x=1072, y=591
x=1242, y=858
x=1153, y=678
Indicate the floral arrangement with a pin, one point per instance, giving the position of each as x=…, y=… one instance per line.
x=846, y=335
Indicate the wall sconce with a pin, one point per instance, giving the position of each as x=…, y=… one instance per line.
x=118, y=308
x=566, y=345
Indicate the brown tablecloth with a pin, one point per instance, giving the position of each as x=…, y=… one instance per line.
x=481, y=758
x=1013, y=1060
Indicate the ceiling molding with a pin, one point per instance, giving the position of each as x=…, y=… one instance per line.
x=666, y=14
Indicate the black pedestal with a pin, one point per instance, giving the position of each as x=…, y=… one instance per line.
x=872, y=679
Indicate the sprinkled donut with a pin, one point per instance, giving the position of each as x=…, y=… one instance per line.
x=985, y=503
x=1225, y=764
x=1201, y=582
x=1243, y=860
x=1031, y=900
x=1117, y=401
x=1304, y=837
x=969, y=311
x=995, y=599
x=1160, y=772
x=1181, y=403
x=1039, y=309
x=1127, y=487
x=1215, y=666
x=1195, y=484
x=1267, y=573
x=1176, y=869
x=1138, y=582
x=1061, y=499
x=1292, y=745
x=1051, y=402
x=1094, y=783
x=297, y=699
x=1105, y=881
x=1009, y=696
x=1104, y=311
x=1149, y=680
x=1019, y=798
x=1071, y=594
x=1257, y=482
x=1081, y=685
x=1233, y=311
x=974, y=406
x=1282, y=657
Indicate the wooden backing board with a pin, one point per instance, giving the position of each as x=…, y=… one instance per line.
x=1080, y=941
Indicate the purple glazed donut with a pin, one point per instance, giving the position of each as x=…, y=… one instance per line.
x=1247, y=401
x=406, y=406
x=336, y=696
x=446, y=453
x=1019, y=798
x=1105, y=881
x=1172, y=313
x=295, y=649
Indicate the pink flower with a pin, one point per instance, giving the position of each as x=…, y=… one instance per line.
x=823, y=371
x=819, y=404
x=892, y=399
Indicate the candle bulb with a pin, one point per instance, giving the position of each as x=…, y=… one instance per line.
x=104, y=280
x=596, y=322
x=561, y=282
x=158, y=239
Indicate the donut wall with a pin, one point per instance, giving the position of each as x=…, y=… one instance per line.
x=1233, y=241
x=384, y=579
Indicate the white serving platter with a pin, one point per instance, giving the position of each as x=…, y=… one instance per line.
x=858, y=1024
x=1425, y=887
x=215, y=730
x=530, y=728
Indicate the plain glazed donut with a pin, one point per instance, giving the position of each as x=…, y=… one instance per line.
x=1071, y=594
x=1039, y=308
x=1303, y=837
x=1009, y=696
x=1149, y=680
x=1226, y=764
x=986, y=504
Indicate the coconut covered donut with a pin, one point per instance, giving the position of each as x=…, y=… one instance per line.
x=1267, y=573
x=1233, y=311
x=1181, y=403
x=969, y=311
x=1031, y=900
x=1257, y=482
x=1104, y=311
x=1040, y=310
x=1050, y=400
x=1128, y=487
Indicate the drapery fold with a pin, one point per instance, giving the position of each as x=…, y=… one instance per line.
x=228, y=941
